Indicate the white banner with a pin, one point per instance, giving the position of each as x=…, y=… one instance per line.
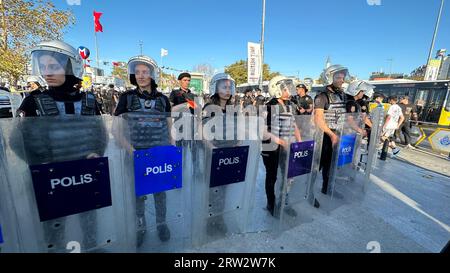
x=444, y=73
x=432, y=71
x=253, y=63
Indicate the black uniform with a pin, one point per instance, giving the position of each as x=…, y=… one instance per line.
x=178, y=96
x=271, y=159
x=45, y=146
x=142, y=137
x=332, y=100
x=305, y=102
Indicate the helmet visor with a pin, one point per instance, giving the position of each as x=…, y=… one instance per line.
x=46, y=63
x=141, y=69
x=225, y=87
x=287, y=85
x=341, y=75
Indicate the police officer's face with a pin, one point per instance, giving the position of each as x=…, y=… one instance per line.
x=33, y=86
x=301, y=91
x=224, y=89
x=360, y=95
x=142, y=74
x=52, y=71
x=184, y=83
x=285, y=94
x=338, y=79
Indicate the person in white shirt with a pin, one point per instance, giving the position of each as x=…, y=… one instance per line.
x=394, y=119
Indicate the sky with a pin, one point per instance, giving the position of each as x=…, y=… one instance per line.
x=299, y=34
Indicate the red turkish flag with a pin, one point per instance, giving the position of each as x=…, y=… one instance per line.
x=115, y=63
x=98, y=27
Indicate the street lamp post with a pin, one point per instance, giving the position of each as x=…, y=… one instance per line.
x=435, y=32
x=262, y=47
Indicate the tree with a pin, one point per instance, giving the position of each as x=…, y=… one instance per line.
x=120, y=71
x=238, y=71
x=168, y=81
x=22, y=25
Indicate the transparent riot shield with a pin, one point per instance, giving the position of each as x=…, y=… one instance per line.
x=158, y=207
x=61, y=185
x=299, y=164
x=345, y=183
x=226, y=161
x=16, y=100
x=8, y=236
x=368, y=164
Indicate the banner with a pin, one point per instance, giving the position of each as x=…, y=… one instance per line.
x=71, y=187
x=158, y=169
x=228, y=166
x=253, y=63
x=432, y=71
x=300, y=159
x=346, y=149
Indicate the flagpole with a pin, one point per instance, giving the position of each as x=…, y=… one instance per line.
x=160, y=76
x=96, y=55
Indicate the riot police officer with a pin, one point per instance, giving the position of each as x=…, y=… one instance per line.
x=303, y=101
x=142, y=73
x=222, y=88
x=60, y=65
x=279, y=109
x=35, y=84
x=329, y=105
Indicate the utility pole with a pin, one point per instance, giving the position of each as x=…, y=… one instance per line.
x=435, y=32
x=261, y=77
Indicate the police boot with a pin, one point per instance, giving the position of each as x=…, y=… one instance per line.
x=163, y=232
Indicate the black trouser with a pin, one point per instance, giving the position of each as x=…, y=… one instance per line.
x=160, y=210
x=271, y=161
x=405, y=129
x=55, y=236
x=325, y=161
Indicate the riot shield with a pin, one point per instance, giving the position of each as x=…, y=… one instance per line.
x=368, y=152
x=61, y=186
x=299, y=164
x=159, y=203
x=226, y=162
x=346, y=184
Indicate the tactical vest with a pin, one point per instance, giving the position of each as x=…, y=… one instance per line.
x=60, y=137
x=283, y=127
x=147, y=122
x=134, y=103
x=335, y=110
x=47, y=106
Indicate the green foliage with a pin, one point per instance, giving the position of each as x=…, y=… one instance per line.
x=238, y=71
x=22, y=25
